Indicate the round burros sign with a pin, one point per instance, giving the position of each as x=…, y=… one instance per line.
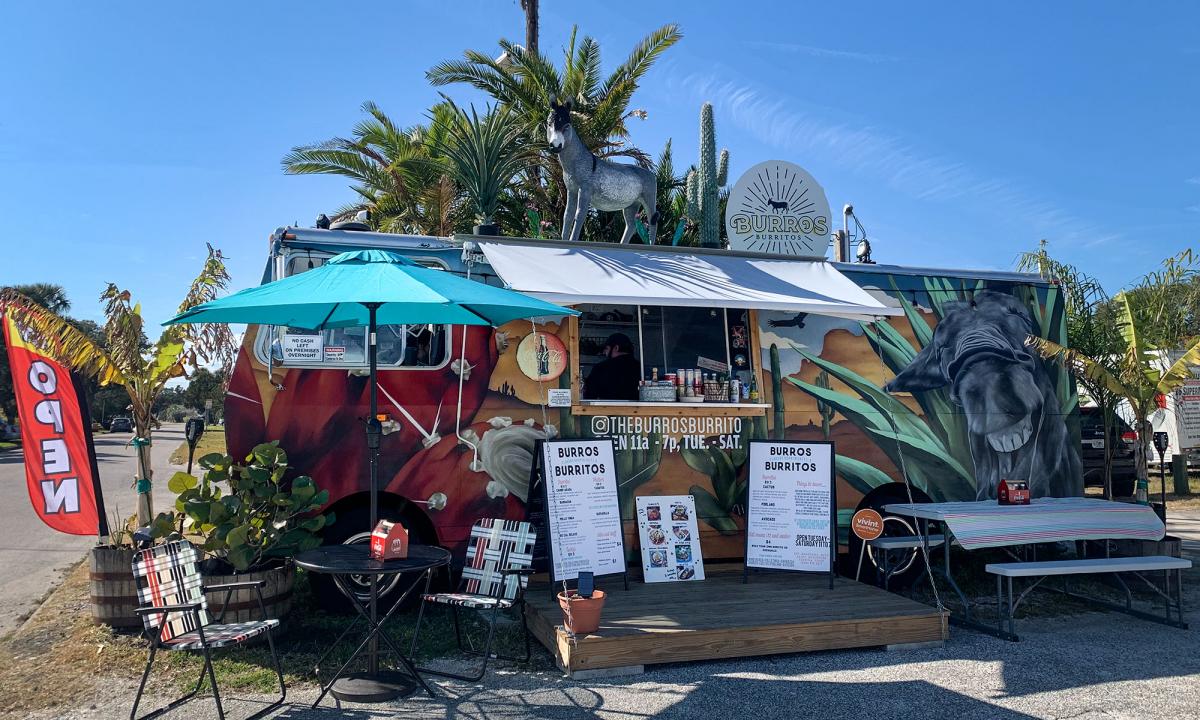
x=777, y=207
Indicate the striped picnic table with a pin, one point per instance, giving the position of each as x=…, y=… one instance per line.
x=984, y=523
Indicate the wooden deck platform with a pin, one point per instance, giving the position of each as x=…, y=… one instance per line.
x=721, y=618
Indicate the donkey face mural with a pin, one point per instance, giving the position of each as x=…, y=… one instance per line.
x=1014, y=424
x=602, y=184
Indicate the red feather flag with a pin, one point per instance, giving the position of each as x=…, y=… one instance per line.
x=59, y=466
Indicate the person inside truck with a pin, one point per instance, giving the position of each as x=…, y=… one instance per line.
x=618, y=375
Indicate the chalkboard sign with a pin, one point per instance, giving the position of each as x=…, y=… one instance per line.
x=576, y=512
x=791, y=510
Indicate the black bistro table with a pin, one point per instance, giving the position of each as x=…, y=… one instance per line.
x=342, y=561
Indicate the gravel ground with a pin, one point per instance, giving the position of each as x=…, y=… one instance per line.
x=1087, y=666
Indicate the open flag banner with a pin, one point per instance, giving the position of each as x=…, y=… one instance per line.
x=58, y=467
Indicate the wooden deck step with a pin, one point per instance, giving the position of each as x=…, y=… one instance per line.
x=722, y=618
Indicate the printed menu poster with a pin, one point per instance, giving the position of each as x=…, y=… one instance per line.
x=788, y=513
x=670, y=538
x=582, y=512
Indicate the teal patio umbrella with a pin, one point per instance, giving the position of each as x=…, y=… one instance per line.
x=369, y=288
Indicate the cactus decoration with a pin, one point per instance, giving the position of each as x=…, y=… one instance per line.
x=825, y=409
x=779, y=423
x=704, y=184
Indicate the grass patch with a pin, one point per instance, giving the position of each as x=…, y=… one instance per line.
x=59, y=656
x=212, y=441
x=6, y=445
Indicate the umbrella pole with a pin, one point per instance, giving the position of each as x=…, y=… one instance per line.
x=374, y=433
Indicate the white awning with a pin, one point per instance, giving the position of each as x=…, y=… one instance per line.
x=639, y=276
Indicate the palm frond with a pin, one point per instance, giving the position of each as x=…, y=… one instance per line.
x=1079, y=364
x=57, y=338
x=643, y=56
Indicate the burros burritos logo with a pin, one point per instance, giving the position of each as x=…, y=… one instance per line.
x=777, y=207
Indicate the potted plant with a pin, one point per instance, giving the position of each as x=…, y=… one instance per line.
x=482, y=154
x=251, y=529
x=581, y=615
x=111, y=587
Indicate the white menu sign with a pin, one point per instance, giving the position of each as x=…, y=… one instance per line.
x=582, y=512
x=789, y=523
x=670, y=538
x=1187, y=414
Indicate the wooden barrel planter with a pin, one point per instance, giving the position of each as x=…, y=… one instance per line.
x=243, y=604
x=112, y=589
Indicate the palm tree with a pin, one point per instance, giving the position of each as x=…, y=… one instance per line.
x=1152, y=322
x=1091, y=331
x=124, y=358
x=525, y=82
x=395, y=169
x=482, y=154
x=53, y=298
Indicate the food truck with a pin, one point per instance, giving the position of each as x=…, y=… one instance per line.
x=915, y=374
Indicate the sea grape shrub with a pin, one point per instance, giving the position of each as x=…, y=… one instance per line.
x=259, y=517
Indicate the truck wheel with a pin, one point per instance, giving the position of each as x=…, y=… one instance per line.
x=351, y=529
x=906, y=564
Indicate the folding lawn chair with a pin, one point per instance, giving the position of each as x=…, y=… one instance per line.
x=175, y=614
x=494, y=577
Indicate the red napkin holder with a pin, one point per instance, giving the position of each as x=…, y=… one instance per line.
x=389, y=541
x=1013, y=492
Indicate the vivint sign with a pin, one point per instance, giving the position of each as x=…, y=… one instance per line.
x=777, y=207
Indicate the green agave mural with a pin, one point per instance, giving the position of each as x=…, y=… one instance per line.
x=932, y=445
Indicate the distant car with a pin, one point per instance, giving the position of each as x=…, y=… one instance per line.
x=120, y=424
x=1124, y=470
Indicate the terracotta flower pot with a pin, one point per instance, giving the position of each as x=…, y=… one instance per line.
x=581, y=615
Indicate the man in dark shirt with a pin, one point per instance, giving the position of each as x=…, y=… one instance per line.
x=618, y=375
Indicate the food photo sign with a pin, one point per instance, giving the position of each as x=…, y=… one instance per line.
x=582, y=511
x=670, y=539
x=791, y=510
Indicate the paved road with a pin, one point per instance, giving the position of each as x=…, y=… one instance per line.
x=32, y=556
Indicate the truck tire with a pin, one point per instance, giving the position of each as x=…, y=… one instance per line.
x=909, y=566
x=351, y=528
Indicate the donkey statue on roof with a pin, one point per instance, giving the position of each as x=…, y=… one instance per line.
x=593, y=182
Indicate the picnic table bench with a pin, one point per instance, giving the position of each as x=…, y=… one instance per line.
x=976, y=525
x=1006, y=607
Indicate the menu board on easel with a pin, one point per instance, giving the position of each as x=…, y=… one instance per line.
x=791, y=509
x=670, y=538
x=582, y=514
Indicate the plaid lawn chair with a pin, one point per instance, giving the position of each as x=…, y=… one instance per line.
x=494, y=578
x=175, y=614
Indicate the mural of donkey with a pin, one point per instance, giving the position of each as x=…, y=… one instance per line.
x=1014, y=425
x=593, y=182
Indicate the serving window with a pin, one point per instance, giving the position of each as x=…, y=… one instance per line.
x=712, y=341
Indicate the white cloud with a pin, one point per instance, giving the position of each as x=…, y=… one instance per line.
x=868, y=150
x=820, y=52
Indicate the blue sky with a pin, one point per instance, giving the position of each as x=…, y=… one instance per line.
x=130, y=135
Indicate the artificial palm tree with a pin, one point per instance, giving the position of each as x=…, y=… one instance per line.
x=123, y=358
x=525, y=82
x=1153, y=320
